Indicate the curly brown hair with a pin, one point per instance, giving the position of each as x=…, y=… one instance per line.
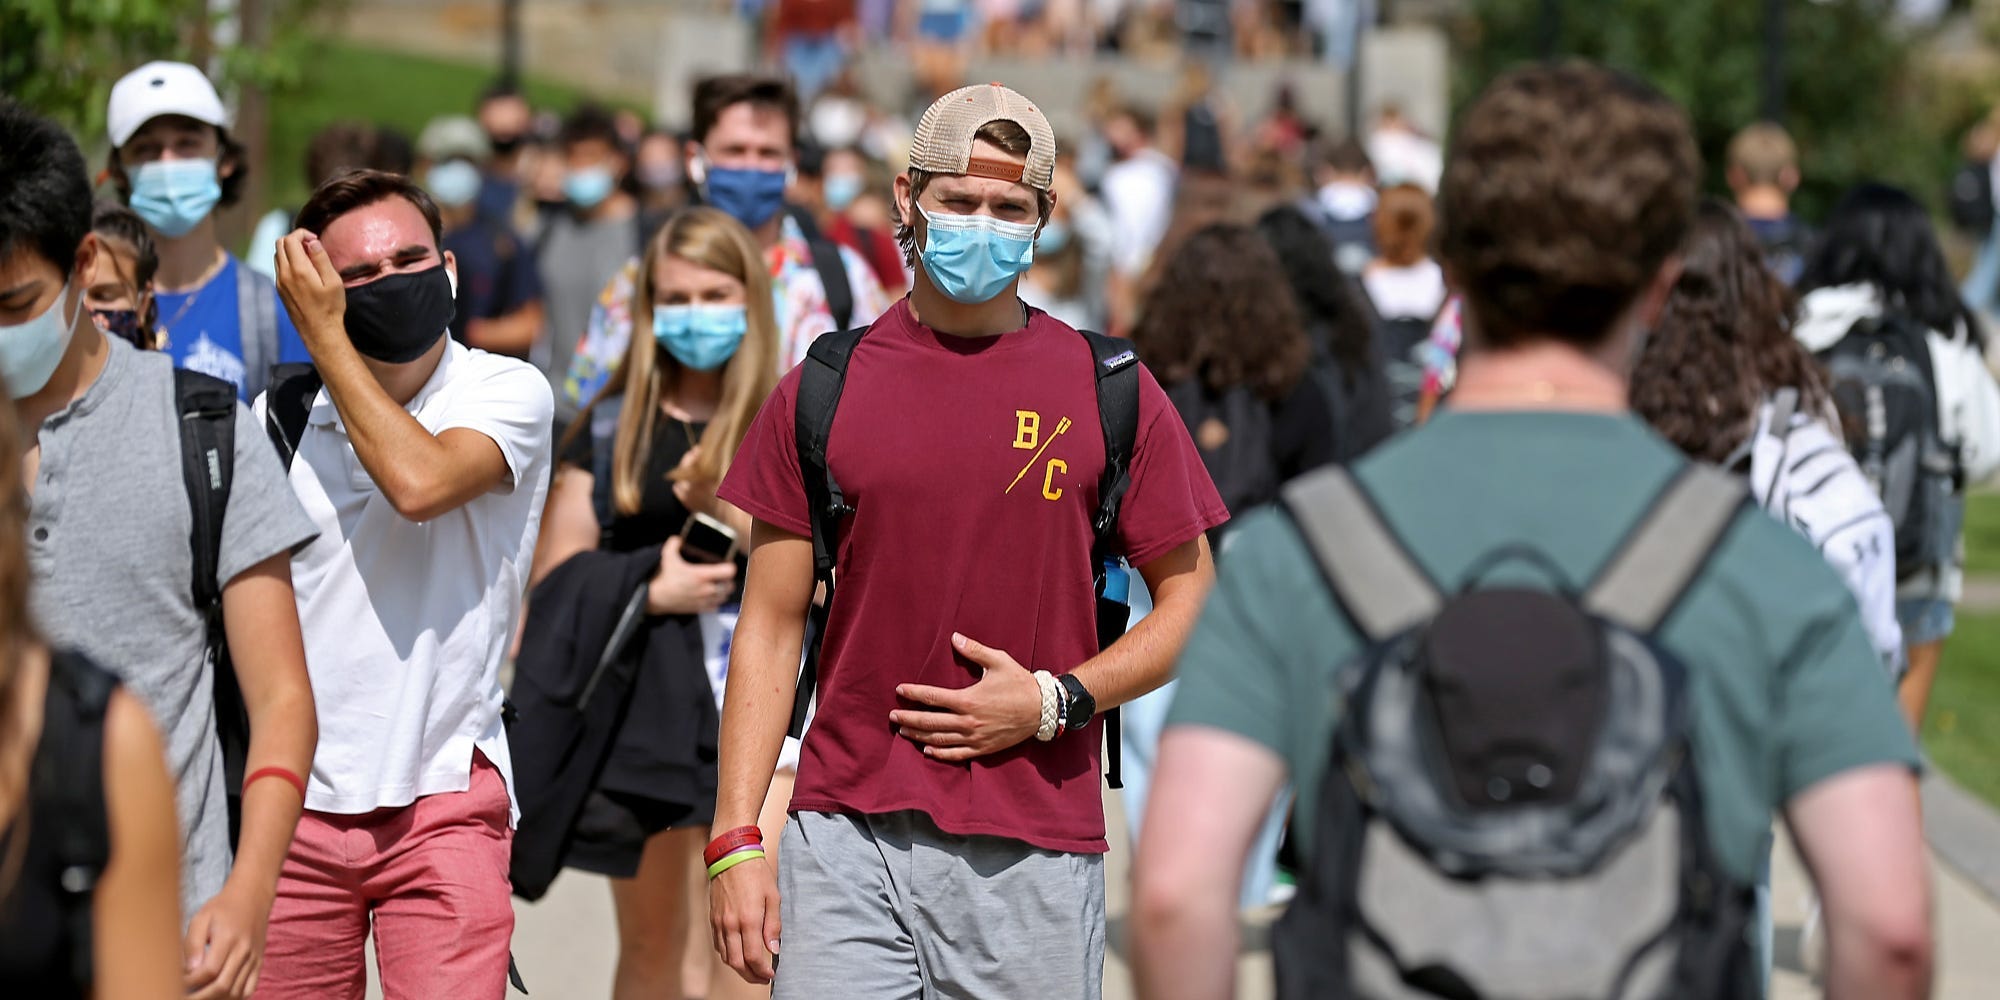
x=1566, y=188
x=1223, y=313
x=1723, y=343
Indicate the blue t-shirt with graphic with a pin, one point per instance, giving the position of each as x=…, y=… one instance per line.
x=202, y=329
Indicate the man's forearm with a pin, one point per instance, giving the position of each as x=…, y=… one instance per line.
x=1143, y=659
x=756, y=710
x=391, y=445
x=283, y=734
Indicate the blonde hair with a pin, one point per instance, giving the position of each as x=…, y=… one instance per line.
x=706, y=238
x=1763, y=152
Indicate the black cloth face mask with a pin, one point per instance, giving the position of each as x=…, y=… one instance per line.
x=396, y=319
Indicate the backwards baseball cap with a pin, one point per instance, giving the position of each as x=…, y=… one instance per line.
x=162, y=88
x=943, y=142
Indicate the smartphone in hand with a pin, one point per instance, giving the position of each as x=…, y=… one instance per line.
x=707, y=540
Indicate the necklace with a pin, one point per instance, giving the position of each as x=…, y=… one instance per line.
x=200, y=285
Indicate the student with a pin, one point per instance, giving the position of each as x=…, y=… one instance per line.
x=1223, y=336
x=174, y=163
x=648, y=455
x=109, y=541
x=742, y=149
x=424, y=464
x=1526, y=486
x=120, y=289
x=579, y=248
x=1343, y=203
x=1403, y=282
x=933, y=745
x=1721, y=368
x=1345, y=357
x=1763, y=174
x=499, y=289
x=78, y=756
x=1879, y=259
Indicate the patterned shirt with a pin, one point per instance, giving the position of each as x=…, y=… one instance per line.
x=797, y=294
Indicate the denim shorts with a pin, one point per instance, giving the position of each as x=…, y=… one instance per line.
x=1924, y=619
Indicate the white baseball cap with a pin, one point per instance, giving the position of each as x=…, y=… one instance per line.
x=162, y=88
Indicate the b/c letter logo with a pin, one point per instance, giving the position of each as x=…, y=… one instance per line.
x=1027, y=430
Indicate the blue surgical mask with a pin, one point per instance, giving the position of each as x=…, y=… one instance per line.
x=841, y=190
x=973, y=258
x=702, y=337
x=1055, y=236
x=30, y=352
x=454, y=183
x=751, y=197
x=587, y=188
x=173, y=196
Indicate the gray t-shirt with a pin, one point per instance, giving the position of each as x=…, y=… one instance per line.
x=577, y=259
x=108, y=543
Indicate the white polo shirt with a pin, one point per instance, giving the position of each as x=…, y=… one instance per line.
x=406, y=624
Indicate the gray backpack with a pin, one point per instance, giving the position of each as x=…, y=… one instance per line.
x=1511, y=808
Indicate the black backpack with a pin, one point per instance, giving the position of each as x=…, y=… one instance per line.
x=1400, y=344
x=820, y=385
x=1971, y=198
x=68, y=788
x=1233, y=433
x=1886, y=391
x=1510, y=807
x=206, y=407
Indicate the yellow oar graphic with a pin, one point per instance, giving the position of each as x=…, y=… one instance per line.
x=1061, y=426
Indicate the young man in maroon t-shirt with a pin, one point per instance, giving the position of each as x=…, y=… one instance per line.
x=945, y=842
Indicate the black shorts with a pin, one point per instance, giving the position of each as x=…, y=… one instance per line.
x=613, y=827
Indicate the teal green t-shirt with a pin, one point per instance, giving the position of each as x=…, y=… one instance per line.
x=1786, y=690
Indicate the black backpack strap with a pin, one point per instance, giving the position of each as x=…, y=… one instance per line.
x=1116, y=368
x=833, y=274
x=822, y=376
x=287, y=405
x=207, y=410
x=1372, y=576
x=1656, y=563
x=69, y=788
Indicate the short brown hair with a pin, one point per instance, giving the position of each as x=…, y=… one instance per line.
x=1763, y=152
x=1404, y=219
x=1012, y=140
x=1566, y=188
x=358, y=189
x=716, y=94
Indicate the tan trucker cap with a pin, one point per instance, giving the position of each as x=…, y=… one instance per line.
x=943, y=143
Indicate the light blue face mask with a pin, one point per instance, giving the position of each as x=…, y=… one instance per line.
x=702, y=337
x=973, y=258
x=1055, y=236
x=30, y=352
x=588, y=187
x=841, y=190
x=173, y=196
x=454, y=183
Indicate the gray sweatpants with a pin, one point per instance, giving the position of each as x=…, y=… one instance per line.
x=889, y=907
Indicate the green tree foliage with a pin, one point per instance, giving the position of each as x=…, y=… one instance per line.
x=1853, y=91
x=62, y=56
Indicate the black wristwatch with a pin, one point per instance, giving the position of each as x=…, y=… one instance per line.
x=1081, y=705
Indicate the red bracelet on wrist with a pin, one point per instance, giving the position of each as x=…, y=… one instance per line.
x=730, y=841
x=286, y=773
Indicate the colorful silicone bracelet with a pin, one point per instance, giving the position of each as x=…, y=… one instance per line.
x=732, y=861
x=277, y=772
x=729, y=841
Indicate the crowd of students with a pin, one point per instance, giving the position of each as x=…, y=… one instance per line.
x=781, y=559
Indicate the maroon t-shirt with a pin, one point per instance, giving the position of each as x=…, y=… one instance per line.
x=972, y=468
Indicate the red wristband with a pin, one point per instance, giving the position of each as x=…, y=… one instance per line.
x=277, y=772
x=732, y=840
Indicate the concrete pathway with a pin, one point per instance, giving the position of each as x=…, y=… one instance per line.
x=566, y=944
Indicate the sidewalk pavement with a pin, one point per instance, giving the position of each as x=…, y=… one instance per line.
x=566, y=944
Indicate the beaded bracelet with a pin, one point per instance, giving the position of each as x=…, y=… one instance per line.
x=732, y=861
